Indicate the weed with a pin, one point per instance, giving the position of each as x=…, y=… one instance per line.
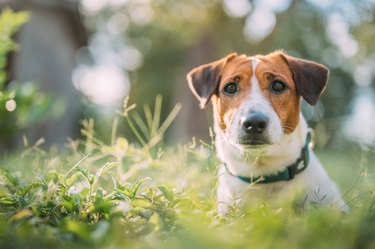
x=123, y=195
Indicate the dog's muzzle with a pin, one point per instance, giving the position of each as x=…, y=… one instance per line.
x=254, y=129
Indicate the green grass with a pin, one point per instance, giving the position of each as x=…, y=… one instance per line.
x=123, y=195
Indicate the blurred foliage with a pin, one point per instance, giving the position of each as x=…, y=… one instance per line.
x=119, y=195
x=110, y=193
x=10, y=22
x=21, y=104
x=174, y=36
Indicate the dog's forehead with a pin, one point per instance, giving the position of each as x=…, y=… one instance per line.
x=273, y=62
x=244, y=64
x=241, y=63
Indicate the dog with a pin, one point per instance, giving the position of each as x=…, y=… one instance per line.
x=262, y=138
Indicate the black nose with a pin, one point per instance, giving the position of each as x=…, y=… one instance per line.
x=254, y=123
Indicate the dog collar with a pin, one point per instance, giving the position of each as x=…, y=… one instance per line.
x=287, y=174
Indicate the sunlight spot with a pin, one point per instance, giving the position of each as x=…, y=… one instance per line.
x=117, y=2
x=332, y=57
x=103, y=85
x=321, y=3
x=259, y=24
x=276, y=6
x=10, y=105
x=338, y=32
x=104, y=51
x=93, y=5
x=360, y=126
x=117, y=24
x=348, y=46
x=237, y=8
x=141, y=13
x=99, y=44
x=363, y=75
x=131, y=59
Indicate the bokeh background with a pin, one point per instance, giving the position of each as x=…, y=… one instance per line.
x=80, y=59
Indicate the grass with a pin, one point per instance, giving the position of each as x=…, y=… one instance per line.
x=124, y=195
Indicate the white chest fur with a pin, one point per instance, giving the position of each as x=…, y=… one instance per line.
x=313, y=183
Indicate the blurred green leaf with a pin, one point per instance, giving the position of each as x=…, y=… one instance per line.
x=32, y=106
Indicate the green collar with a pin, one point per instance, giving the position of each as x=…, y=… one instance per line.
x=287, y=174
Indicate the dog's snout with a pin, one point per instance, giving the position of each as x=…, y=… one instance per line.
x=254, y=123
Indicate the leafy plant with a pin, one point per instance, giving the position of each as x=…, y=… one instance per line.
x=21, y=104
x=122, y=195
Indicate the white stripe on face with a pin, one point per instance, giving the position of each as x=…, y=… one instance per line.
x=256, y=102
x=255, y=91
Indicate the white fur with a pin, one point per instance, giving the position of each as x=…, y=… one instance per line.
x=315, y=183
x=256, y=103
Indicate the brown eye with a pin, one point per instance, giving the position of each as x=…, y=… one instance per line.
x=230, y=89
x=278, y=86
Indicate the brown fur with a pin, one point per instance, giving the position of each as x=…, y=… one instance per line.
x=303, y=78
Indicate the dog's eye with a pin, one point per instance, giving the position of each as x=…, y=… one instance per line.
x=230, y=89
x=278, y=86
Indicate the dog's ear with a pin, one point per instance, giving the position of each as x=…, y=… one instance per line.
x=204, y=80
x=309, y=77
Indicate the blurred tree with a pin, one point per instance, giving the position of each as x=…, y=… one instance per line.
x=153, y=44
x=48, y=44
x=18, y=108
x=171, y=37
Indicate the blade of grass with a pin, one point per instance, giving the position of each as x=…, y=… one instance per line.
x=14, y=181
x=76, y=165
x=104, y=169
x=84, y=173
x=159, y=135
x=154, y=141
x=114, y=130
x=142, y=125
x=135, y=131
x=88, y=132
x=148, y=115
x=157, y=114
x=206, y=144
x=126, y=108
x=171, y=116
x=135, y=188
x=91, y=139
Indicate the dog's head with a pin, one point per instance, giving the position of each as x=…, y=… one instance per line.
x=256, y=99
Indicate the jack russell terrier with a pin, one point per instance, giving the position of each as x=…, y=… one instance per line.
x=262, y=139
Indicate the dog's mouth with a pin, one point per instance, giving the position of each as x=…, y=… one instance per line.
x=254, y=142
x=250, y=141
x=253, y=145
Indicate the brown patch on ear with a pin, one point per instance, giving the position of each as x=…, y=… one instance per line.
x=309, y=77
x=204, y=80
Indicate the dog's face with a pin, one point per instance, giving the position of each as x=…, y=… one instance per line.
x=256, y=100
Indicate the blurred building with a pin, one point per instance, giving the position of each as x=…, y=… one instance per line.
x=48, y=44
